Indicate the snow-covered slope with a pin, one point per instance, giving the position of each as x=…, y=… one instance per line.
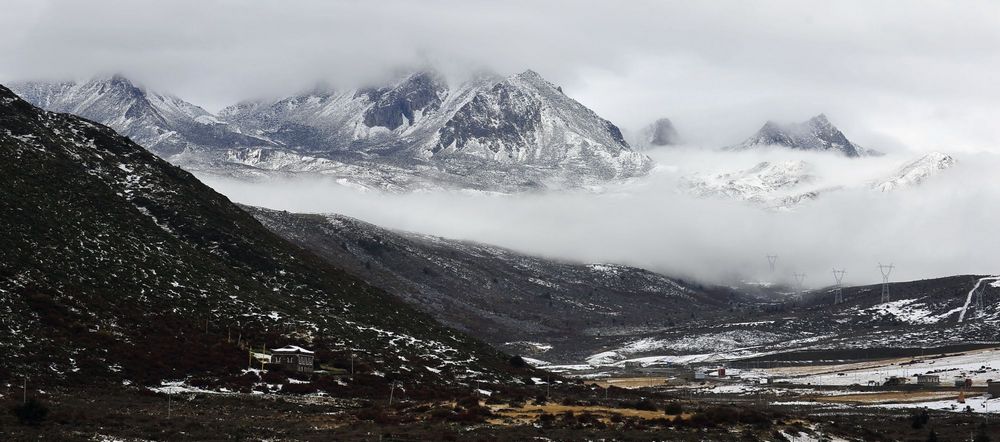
x=915, y=172
x=816, y=134
x=527, y=120
x=487, y=132
x=776, y=184
x=520, y=129
x=163, y=123
x=787, y=183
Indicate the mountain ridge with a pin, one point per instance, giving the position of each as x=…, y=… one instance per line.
x=115, y=259
x=815, y=134
x=496, y=133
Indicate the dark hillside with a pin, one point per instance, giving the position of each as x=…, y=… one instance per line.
x=115, y=263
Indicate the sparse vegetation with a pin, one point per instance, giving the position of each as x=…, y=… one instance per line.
x=32, y=412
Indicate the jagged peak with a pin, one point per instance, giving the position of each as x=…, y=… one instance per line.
x=820, y=119
x=534, y=79
x=529, y=74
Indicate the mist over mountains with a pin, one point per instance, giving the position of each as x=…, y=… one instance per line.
x=653, y=224
x=486, y=132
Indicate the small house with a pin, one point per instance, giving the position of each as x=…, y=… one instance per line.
x=962, y=381
x=928, y=379
x=993, y=388
x=894, y=381
x=293, y=359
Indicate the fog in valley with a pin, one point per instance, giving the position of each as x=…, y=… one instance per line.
x=944, y=226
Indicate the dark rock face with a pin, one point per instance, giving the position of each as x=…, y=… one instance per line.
x=393, y=107
x=662, y=133
x=816, y=134
x=504, y=117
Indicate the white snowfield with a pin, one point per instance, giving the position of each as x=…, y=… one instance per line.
x=915, y=172
x=785, y=184
x=978, y=365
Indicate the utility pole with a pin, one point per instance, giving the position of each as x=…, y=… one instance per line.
x=392, y=389
x=838, y=296
x=24, y=398
x=886, y=270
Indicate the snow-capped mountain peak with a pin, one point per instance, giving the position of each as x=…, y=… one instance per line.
x=486, y=132
x=915, y=172
x=815, y=134
x=527, y=120
x=163, y=123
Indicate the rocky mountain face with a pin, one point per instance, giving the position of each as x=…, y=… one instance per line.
x=163, y=123
x=118, y=264
x=489, y=133
x=660, y=133
x=561, y=311
x=816, y=134
x=915, y=172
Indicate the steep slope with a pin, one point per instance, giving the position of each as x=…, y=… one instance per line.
x=163, y=123
x=526, y=304
x=816, y=134
x=325, y=121
x=527, y=120
x=915, y=172
x=519, y=132
x=118, y=264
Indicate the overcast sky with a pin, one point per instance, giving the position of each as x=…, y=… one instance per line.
x=892, y=74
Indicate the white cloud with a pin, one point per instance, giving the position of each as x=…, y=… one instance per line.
x=947, y=226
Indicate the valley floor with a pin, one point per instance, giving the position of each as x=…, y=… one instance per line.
x=649, y=410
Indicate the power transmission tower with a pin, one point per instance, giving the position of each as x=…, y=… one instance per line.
x=838, y=296
x=799, y=279
x=771, y=260
x=886, y=270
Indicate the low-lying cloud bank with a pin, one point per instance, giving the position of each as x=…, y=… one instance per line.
x=947, y=225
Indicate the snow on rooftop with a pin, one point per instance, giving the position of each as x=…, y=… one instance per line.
x=291, y=349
